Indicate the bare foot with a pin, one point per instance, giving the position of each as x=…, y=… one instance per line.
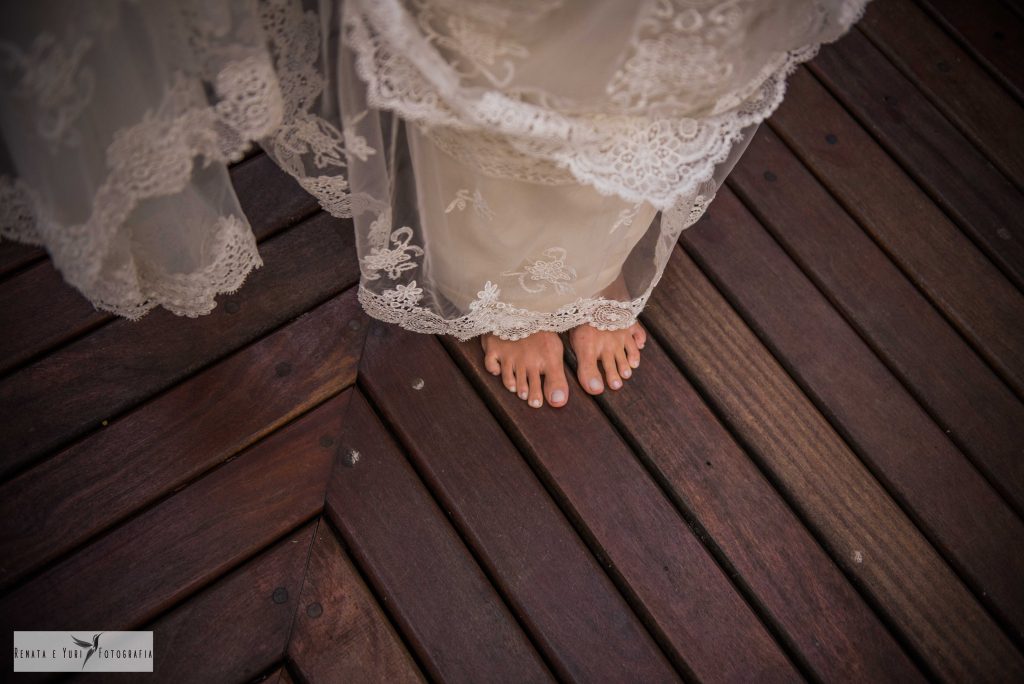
x=521, y=363
x=617, y=350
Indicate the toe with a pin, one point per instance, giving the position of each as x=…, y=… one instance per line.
x=508, y=377
x=632, y=352
x=640, y=335
x=491, y=363
x=589, y=377
x=610, y=371
x=622, y=364
x=556, y=386
x=536, y=399
x=522, y=382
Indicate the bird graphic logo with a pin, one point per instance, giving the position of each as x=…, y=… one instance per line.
x=85, y=644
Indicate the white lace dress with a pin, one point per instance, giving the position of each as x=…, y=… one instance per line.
x=504, y=162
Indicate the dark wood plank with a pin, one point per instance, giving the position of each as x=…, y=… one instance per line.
x=99, y=376
x=235, y=629
x=271, y=199
x=341, y=634
x=440, y=599
x=947, y=165
x=942, y=261
x=15, y=255
x=168, y=552
x=65, y=500
x=954, y=82
x=991, y=31
x=959, y=511
x=863, y=529
x=539, y=562
x=584, y=626
x=796, y=587
x=960, y=391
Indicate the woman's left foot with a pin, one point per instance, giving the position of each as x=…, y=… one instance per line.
x=618, y=352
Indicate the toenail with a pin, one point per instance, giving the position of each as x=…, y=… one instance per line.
x=625, y=373
x=558, y=396
x=523, y=395
x=634, y=363
x=616, y=384
x=595, y=384
x=535, y=403
x=511, y=388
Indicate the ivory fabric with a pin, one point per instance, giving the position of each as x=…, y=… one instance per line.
x=509, y=166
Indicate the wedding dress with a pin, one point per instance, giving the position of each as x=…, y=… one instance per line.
x=509, y=166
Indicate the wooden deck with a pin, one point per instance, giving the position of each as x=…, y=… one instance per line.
x=817, y=473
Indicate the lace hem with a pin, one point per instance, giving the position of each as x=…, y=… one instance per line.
x=639, y=159
x=488, y=314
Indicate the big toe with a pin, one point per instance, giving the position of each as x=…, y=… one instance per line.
x=556, y=387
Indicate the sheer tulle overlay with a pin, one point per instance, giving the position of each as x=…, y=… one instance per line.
x=509, y=166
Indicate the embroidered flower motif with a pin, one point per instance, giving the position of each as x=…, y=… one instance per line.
x=553, y=272
x=392, y=261
x=402, y=296
x=626, y=217
x=463, y=198
x=356, y=144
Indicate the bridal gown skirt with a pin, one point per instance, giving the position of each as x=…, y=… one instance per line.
x=507, y=166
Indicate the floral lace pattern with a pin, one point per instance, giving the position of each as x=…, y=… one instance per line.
x=450, y=68
x=553, y=272
x=656, y=159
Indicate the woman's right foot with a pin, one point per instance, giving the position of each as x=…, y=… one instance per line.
x=521, y=363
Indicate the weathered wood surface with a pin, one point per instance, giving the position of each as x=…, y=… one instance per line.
x=448, y=611
x=73, y=390
x=966, y=397
x=732, y=510
x=585, y=628
x=341, y=634
x=863, y=529
x=174, y=438
x=915, y=133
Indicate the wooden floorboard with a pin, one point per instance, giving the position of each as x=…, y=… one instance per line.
x=917, y=135
x=814, y=475
x=862, y=527
x=857, y=275
x=657, y=555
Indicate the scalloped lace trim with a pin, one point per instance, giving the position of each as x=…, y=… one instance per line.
x=657, y=160
x=488, y=314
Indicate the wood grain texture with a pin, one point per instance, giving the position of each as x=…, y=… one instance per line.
x=99, y=376
x=271, y=199
x=445, y=607
x=169, y=551
x=960, y=512
x=915, y=341
x=341, y=633
x=991, y=31
x=917, y=135
x=17, y=255
x=49, y=509
x=586, y=629
x=985, y=307
x=235, y=629
x=796, y=587
x=979, y=106
x=864, y=531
